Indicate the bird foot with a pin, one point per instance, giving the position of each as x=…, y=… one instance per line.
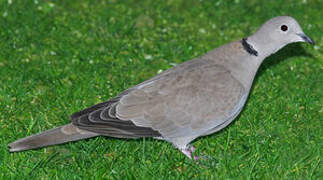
x=189, y=150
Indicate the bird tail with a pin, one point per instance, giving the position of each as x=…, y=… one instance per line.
x=54, y=136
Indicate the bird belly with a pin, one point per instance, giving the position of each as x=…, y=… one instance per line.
x=231, y=117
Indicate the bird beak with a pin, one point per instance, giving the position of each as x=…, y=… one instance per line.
x=305, y=38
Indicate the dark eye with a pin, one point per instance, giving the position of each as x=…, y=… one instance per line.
x=284, y=28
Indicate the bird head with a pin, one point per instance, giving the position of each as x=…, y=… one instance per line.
x=276, y=33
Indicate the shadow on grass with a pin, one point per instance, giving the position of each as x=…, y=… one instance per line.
x=290, y=51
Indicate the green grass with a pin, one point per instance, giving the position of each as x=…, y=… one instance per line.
x=58, y=57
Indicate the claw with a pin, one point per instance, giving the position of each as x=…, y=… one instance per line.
x=192, y=148
x=188, y=151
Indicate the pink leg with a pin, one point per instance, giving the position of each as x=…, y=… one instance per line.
x=188, y=151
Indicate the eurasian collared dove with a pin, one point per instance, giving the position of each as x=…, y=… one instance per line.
x=196, y=98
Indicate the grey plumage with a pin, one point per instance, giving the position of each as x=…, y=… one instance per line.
x=57, y=135
x=193, y=99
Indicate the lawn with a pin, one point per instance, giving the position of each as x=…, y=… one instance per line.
x=58, y=57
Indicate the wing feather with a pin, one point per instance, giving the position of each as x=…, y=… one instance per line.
x=186, y=100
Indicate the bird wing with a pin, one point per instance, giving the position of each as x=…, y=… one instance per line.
x=189, y=99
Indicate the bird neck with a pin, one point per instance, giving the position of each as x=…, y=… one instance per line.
x=262, y=45
x=248, y=47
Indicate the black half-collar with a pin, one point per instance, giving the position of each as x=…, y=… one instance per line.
x=248, y=47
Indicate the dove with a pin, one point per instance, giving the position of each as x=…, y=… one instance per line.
x=193, y=99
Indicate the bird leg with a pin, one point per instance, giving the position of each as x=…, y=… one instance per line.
x=188, y=152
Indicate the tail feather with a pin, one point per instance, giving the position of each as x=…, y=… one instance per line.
x=54, y=136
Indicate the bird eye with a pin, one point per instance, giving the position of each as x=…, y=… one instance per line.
x=284, y=28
